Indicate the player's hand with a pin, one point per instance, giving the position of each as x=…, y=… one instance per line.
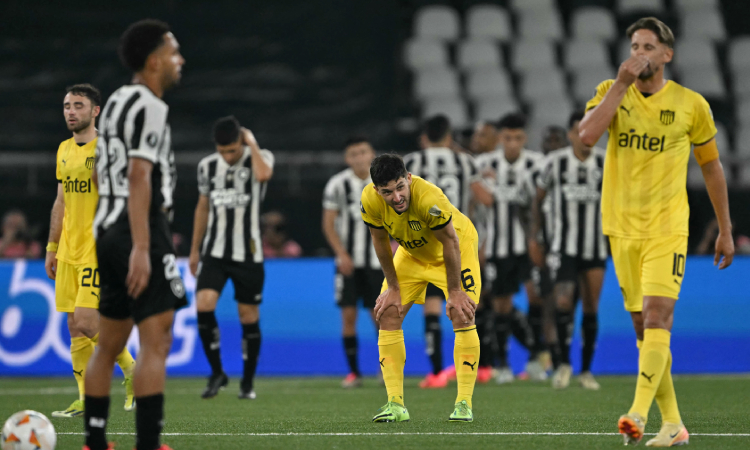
x=631, y=68
x=248, y=138
x=139, y=271
x=195, y=258
x=389, y=298
x=460, y=302
x=536, y=253
x=50, y=265
x=725, y=248
x=345, y=265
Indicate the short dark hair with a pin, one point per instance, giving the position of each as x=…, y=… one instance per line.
x=226, y=130
x=354, y=140
x=576, y=116
x=139, y=41
x=512, y=121
x=386, y=168
x=662, y=31
x=436, y=128
x=86, y=90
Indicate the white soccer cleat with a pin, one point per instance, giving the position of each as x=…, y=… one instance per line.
x=670, y=435
x=504, y=376
x=561, y=377
x=588, y=382
x=536, y=371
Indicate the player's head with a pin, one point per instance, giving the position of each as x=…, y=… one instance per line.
x=436, y=132
x=575, y=139
x=392, y=181
x=554, y=137
x=512, y=132
x=358, y=154
x=484, y=138
x=652, y=39
x=81, y=106
x=149, y=46
x=228, y=139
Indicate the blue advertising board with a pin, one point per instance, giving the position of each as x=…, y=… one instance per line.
x=301, y=325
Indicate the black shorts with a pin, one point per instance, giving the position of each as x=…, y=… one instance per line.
x=247, y=278
x=165, y=290
x=507, y=274
x=434, y=291
x=566, y=268
x=363, y=283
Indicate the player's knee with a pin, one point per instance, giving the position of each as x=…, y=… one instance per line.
x=564, y=303
x=86, y=326
x=390, y=319
x=248, y=313
x=205, y=300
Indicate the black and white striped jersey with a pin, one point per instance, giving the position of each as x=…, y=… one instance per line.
x=450, y=171
x=234, y=195
x=575, y=187
x=512, y=186
x=133, y=124
x=343, y=193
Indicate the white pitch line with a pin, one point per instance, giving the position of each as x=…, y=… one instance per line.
x=498, y=433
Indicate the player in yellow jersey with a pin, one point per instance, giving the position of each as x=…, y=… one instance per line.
x=652, y=124
x=438, y=245
x=71, y=251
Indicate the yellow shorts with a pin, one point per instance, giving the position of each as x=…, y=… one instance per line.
x=652, y=267
x=413, y=274
x=76, y=286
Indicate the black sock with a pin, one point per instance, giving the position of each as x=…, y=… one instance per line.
x=350, y=348
x=149, y=415
x=433, y=336
x=484, y=330
x=95, y=421
x=565, y=327
x=502, y=330
x=208, y=330
x=589, y=330
x=522, y=331
x=250, y=352
x=537, y=330
x=555, y=354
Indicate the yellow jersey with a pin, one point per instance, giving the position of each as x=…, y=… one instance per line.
x=413, y=229
x=644, y=191
x=74, y=168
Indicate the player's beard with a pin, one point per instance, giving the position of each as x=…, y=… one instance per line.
x=647, y=73
x=80, y=125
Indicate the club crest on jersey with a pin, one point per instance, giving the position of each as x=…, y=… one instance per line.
x=243, y=174
x=415, y=225
x=152, y=139
x=435, y=211
x=90, y=162
x=667, y=117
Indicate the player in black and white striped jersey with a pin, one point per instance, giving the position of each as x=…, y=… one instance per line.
x=456, y=174
x=358, y=272
x=571, y=179
x=226, y=244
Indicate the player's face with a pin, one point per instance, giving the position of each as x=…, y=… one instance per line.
x=397, y=193
x=646, y=43
x=575, y=139
x=232, y=152
x=484, y=138
x=554, y=140
x=513, y=141
x=359, y=156
x=78, y=112
x=170, y=61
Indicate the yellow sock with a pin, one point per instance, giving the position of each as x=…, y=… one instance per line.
x=126, y=362
x=666, y=398
x=81, y=350
x=466, y=359
x=651, y=366
x=392, y=361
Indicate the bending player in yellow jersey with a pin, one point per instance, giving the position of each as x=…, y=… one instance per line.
x=71, y=251
x=652, y=123
x=438, y=245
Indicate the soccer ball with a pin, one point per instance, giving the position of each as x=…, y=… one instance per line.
x=28, y=430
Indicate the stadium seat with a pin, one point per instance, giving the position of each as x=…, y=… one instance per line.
x=586, y=81
x=640, y=6
x=533, y=5
x=493, y=108
x=488, y=82
x=703, y=23
x=695, y=176
x=694, y=52
x=552, y=110
x=533, y=55
x=741, y=83
x=722, y=143
x=593, y=23
x=540, y=24
x=580, y=54
x=477, y=53
x=423, y=53
x=453, y=107
x=538, y=85
x=691, y=5
x=706, y=80
x=743, y=175
x=742, y=112
x=437, y=22
x=442, y=82
x=488, y=21
x=742, y=149
x=738, y=55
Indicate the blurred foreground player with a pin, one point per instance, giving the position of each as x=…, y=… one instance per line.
x=140, y=282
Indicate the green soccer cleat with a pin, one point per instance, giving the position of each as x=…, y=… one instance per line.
x=129, y=394
x=461, y=413
x=392, y=412
x=74, y=410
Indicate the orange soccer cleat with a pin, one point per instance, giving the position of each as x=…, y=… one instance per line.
x=433, y=381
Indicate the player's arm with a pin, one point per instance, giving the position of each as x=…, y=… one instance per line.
x=716, y=185
x=200, y=223
x=55, y=231
x=139, y=203
x=482, y=193
x=381, y=242
x=457, y=298
x=536, y=251
x=343, y=259
x=262, y=170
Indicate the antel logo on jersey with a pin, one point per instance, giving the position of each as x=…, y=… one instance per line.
x=77, y=186
x=417, y=243
x=229, y=198
x=641, y=141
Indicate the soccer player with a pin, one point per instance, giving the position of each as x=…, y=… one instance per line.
x=71, y=250
x=140, y=282
x=358, y=273
x=577, y=254
x=652, y=124
x=226, y=245
x=456, y=174
x=438, y=245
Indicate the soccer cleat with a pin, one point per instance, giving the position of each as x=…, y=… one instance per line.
x=129, y=394
x=536, y=371
x=588, y=382
x=545, y=359
x=461, y=413
x=670, y=435
x=484, y=374
x=75, y=409
x=631, y=428
x=247, y=395
x=352, y=381
x=392, y=412
x=561, y=377
x=504, y=376
x=110, y=446
x=215, y=383
x=432, y=381
x=450, y=373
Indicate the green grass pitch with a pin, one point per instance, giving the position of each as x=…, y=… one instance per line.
x=314, y=413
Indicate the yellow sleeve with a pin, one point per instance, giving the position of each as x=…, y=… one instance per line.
x=58, y=173
x=434, y=208
x=703, y=128
x=706, y=153
x=599, y=94
x=370, y=207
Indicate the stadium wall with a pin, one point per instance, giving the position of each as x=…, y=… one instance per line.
x=301, y=325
